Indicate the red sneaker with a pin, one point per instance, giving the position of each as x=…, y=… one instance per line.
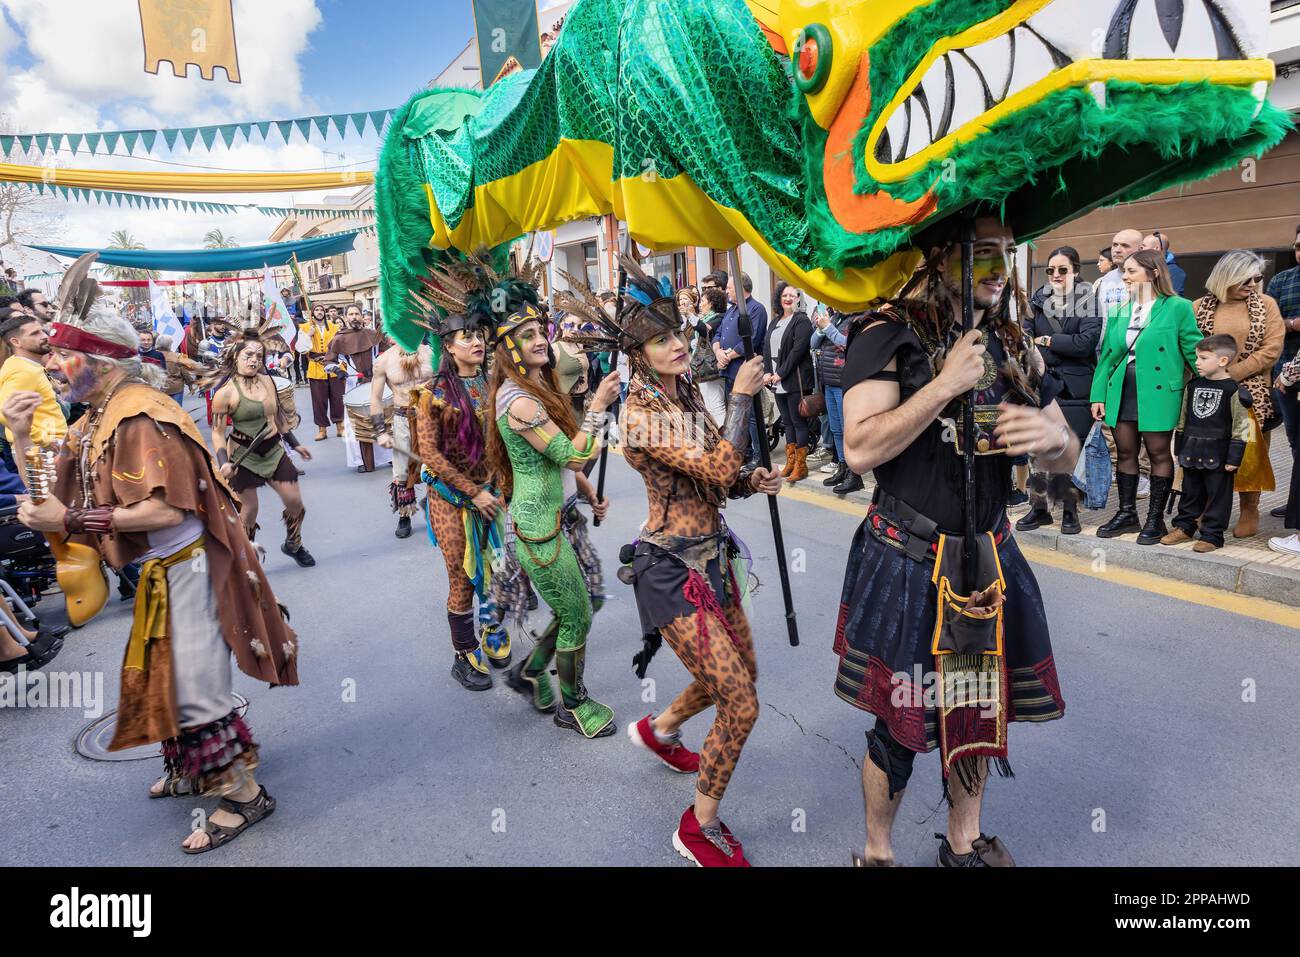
x=676, y=755
x=711, y=846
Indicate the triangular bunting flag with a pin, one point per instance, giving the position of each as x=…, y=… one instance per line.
x=6, y=144
x=189, y=135
x=263, y=130
x=42, y=142
x=230, y=129
x=74, y=142
x=208, y=133
x=359, y=122
x=110, y=142
x=285, y=127
x=304, y=127
x=92, y=141
x=378, y=117
x=148, y=138
x=129, y=139
x=25, y=143
x=321, y=125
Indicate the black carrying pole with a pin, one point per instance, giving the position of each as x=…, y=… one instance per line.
x=613, y=410
x=969, y=552
x=746, y=330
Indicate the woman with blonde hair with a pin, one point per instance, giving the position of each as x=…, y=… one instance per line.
x=1235, y=305
x=1137, y=389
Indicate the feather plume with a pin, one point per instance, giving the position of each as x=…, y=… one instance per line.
x=77, y=292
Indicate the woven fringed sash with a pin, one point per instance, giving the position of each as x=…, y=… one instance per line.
x=974, y=693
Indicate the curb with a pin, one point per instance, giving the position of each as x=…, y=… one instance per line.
x=1239, y=575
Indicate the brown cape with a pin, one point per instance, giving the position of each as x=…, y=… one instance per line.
x=145, y=443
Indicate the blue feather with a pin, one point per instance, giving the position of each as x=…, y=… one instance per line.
x=665, y=286
x=638, y=295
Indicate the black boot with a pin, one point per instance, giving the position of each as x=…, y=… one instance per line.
x=1154, y=529
x=1070, y=514
x=1126, y=519
x=403, y=527
x=470, y=678
x=1034, y=518
x=839, y=475
x=853, y=483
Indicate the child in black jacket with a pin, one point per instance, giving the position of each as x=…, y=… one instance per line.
x=1210, y=444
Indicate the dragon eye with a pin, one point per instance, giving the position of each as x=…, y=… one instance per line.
x=812, y=64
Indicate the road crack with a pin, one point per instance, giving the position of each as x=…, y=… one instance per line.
x=816, y=734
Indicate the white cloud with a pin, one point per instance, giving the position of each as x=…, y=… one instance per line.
x=87, y=73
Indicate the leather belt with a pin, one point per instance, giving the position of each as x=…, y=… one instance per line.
x=904, y=527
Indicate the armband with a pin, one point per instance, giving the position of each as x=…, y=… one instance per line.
x=89, y=521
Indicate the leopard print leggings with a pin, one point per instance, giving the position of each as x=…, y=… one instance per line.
x=448, y=524
x=725, y=676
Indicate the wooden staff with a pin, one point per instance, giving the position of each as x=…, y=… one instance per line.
x=613, y=410
x=970, y=552
x=746, y=329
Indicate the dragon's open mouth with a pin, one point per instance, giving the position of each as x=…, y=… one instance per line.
x=959, y=86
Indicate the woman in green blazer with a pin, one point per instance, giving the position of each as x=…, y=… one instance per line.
x=1137, y=390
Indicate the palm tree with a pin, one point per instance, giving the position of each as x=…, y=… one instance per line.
x=121, y=239
x=216, y=239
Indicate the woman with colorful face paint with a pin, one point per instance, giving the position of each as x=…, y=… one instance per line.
x=909, y=373
x=687, y=567
x=252, y=437
x=535, y=439
x=464, y=509
x=134, y=479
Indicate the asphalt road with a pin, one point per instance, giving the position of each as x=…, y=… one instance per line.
x=1157, y=743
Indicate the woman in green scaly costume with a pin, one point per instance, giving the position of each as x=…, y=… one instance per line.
x=529, y=448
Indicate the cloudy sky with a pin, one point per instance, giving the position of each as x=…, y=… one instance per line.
x=78, y=66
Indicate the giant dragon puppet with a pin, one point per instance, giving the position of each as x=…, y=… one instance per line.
x=825, y=133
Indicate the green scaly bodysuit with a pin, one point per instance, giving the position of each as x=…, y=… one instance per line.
x=551, y=564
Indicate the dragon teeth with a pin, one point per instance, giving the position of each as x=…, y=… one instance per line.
x=994, y=59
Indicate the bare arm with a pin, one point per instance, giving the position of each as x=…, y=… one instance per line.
x=877, y=428
x=379, y=379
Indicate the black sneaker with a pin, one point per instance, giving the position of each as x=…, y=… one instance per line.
x=301, y=556
x=471, y=678
x=851, y=484
x=403, y=527
x=1279, y=512
x=1017, y=498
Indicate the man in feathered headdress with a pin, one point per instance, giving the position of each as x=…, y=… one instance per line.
x=133, y=478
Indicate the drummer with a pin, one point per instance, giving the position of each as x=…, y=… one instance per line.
x=354, y=348
x=250, y=434
x=401, y=372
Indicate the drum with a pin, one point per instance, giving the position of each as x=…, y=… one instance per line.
x=357, y=401
x=284, y=395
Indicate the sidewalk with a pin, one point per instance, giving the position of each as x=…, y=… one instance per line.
x=1244, y=566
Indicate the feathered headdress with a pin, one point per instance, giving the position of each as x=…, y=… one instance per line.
x=78, y=292
x=473, y=292
x=649, y=309
x=260, y=331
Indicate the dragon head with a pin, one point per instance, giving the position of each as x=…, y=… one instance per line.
x=914, y=109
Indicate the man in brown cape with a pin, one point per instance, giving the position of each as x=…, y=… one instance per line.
x=135, y=480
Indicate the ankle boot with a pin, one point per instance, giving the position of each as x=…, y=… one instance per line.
x=1126, y=519
x=789, y=460
x=577, y=710
x=800, y=471
x=1070, y=515
x=839, y=475
x=1155, y=529
x=1248, y=520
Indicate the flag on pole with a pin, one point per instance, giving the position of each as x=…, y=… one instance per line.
x=165, y=322
x=276, y=308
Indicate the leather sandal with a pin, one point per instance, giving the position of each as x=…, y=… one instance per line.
x=251, y=811
x=172, y=787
